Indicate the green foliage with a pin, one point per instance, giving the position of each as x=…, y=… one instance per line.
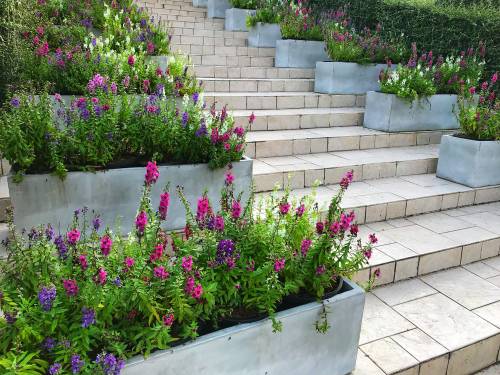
x=268, y=11
x=297, y=22
x=480, y=117
x=22, y=364
x=245, y=4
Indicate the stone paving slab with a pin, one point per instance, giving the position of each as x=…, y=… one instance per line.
x=425, y=326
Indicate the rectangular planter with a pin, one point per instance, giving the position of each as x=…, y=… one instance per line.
x=236, y=19
x=264, y=35
x=387, y=112
x=299, y=53
x=469, y=162
x=200, y=3
x=253, y=349
x=217, y=8
x=332, y=77
x=44, y=198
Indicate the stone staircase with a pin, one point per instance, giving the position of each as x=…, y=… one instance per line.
x=427, y=319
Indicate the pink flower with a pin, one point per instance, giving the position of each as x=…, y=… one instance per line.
x=300, y=210
x=73, y=236
x=131, y=60
x=102, y=276
x=145, y=85
x=284, y=208
x=71, y=287
x=376, y=273
x=129, y=262
x=36, y=40
x=40, y=30
x=159, y=72
x=150, y=48
x=305, y=246
x=373, y=238
x=94, y=100
x=472, y=90
x=157, y=253
x=106, y=244
x=346, y=180
x=189, y=286
x=126, y=81
x=484, y=85
x=114, y=88
x=161, y=273
x=494, y=78
x=236, y=209
x=43, y=50
x=203, y=208
x=227, y=146
x=320, y=227
x=58, y=97
x=168, y=320
x=335, y=227
x=187, y=263
x=239, y=131
x=219, y=223
x=141, y=221
x=152, y=173
x=279, y=264
x=367, y=253
x=164, y=203
x=229, y=178
x=197, y=291
x=354, y=230
x=320, y=270
x=82, y=259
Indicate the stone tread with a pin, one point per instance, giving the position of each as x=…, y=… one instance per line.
x=447, y=322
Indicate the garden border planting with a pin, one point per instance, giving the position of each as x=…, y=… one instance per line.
x=469, y=162
x=299, y=53
x=254, y=347
x=387, y=112
x=45, y=198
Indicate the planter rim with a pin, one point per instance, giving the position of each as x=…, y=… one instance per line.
x=417, y=99
x=355, y=290
x=457, y=136
x=351, y=62
x=299, y=40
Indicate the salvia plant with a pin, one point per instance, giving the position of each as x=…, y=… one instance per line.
x=86, y=299
x=298, y=22
x=479, y=114
x=426, y=75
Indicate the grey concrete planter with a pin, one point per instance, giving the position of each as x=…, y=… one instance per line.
x=469, y=162
x=332, y=77
x=389, y=113
x=253, y=349
x=299, y=53
x=236, y=19
x=217, y=8
x=200, y=3
x=43, y=198
x=264, y=35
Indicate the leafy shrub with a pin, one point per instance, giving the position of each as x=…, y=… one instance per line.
x=97, y=130
x=480, y=119
x=82, y=301
x=268, y=11
x=424, y=76
x=245, y=4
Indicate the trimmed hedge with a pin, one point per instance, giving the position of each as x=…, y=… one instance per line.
x=445, y=28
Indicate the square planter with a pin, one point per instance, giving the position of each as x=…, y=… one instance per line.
x=387, y=112
x=115, y=193
x=200, y=3
x=264, y=35
x=236, y=19
x=217, y=8
x=299, y=53
x=332, y=77
x=469, y=162
x=253, y=349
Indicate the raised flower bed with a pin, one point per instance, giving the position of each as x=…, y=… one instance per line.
x=472, y=156
x=217, y=8
x=264, y=35
x=93, y=298
x=422, y=95
x=236, y=19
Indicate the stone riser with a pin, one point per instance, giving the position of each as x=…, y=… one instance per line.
x=320, y=144
x=291, y=120
x=203, y=28
x=257, y=101
x=305, y=176
x=249, y=85
x=197, y=50
x=232, y=61
x=253, y=72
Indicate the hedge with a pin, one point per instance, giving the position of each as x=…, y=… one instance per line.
x=443, y=28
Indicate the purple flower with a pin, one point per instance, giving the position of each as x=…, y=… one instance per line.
x=117, y=281
x=88, y=317
x=185, y=118
x=225, y=251
x=46, y=296
x=320, y=270
x=96, y=222
x=61, y=246
x=15, y=102
x=202, y=130
x=196, y=96
x=141, y=222
x=76, y=363
x=109, y=364
x=49, y=343
x=10, y=318
x=55, y=368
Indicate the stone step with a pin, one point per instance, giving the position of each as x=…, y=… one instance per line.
x=343, y=112
x=233, y=61
x=191, y=35
x=263, y=144
x=230, y=50
x=271, y=100
x=257, y=85
x=218, y=71
x=446, y=322
x=306, y=170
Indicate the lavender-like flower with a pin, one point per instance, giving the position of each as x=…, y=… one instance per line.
x=109, y=364
x=88, y=317
x=76, y=363
x=15, y=102
x=61, y=247
x=185, y=118
x=46, y=296
x=96, y=223
x=55, y=368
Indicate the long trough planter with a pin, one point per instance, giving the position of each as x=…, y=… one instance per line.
x=469, y=162
x=217, y=8
x=387, y=112
x=253, y=349
x=236, y=19
x=115, y=193
x=264, y=35
x=332, y=77
x=299, y=53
